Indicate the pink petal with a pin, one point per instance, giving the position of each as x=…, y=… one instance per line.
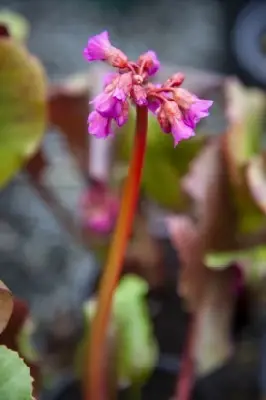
x=150, y=62
x=181, y=131
x=107, y=105
x=98, y=47
x=198, y=110
x=99, y=126
x=122, y=118
x=139, y=95
x=109, y=78
x=123, y=87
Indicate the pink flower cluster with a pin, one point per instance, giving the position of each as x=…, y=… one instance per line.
x=98, y=209
x=178, y=111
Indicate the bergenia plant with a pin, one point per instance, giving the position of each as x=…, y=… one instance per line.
x=177, y=110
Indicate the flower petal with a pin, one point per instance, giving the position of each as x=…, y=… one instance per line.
x=150, y=62
x=181, y=131
x=99, y=126
x=98, y=47
x=122, y=118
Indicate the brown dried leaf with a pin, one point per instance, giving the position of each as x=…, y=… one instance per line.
x=207, y=184
x=6, y=305
x=68, y=111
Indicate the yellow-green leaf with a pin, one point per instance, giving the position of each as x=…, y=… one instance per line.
x=22, y=107
x=17, y=25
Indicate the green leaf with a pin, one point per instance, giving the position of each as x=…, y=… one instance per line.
x=137, y=353
x=246, y=110
x=15, y=379
x=252, y=261
x=17, y=25
x=224, y=259
x=22, y=107
x=25, y=346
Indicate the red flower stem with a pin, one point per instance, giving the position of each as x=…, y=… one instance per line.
x=94, y=384
x=186, y=375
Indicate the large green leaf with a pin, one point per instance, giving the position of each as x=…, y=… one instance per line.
x=22, y=107
x=15, y=379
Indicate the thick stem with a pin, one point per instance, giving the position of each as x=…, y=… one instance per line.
x=94, y=385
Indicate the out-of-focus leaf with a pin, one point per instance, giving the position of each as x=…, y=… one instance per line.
x=68, y=111
x=223, y=260
x=15, y=379
x=136, y=353
x=252, y=262
x=24, y=343
x=22, y=107
x=256, y=180
x=6, y=305
x=245, y=112
x=213, y=344
x=216, y=225
x=17, y=25
x=164, y=165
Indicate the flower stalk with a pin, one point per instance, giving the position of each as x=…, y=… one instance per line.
x=178, y=112
x=115, y=259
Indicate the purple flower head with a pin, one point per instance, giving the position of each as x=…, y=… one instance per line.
x=178, y=111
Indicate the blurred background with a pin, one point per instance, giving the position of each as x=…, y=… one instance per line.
x=40, y=261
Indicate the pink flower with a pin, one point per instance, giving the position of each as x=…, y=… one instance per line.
x=122, y=118
x=110, y=103
x=171, y=120
x=175, y=80
x=139, y=95
x=194, y=109
x=199, y=109
x=99, y=126
x=107, y=105
x=178, y=111
x=150, y=62
x=98, y=209
x=122, y=87
x=99, y=48
x=109, y=78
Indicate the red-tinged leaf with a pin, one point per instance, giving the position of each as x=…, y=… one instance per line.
x=68, y=111
x=6, y=306
x=36, y=166
x=4, y=31
x=9, y=338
